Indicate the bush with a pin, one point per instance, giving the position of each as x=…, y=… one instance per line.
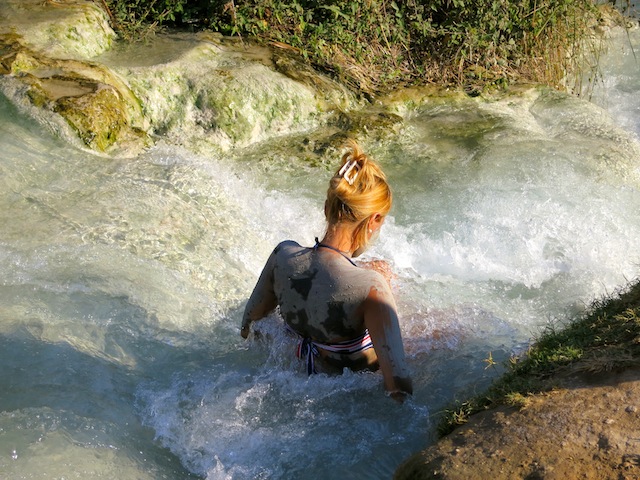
x=377, y=45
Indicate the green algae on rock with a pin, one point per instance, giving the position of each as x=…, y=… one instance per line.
x=94, y=102
x=98, y=116
x=203, y=91
x=77, y=30
x=213, y=94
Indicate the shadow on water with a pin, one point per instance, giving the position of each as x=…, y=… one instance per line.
x=51, y=388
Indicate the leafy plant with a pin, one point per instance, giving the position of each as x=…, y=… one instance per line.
x=137, y=19
x=378, y=45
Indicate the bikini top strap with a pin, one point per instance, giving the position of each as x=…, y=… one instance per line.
x=319, y=244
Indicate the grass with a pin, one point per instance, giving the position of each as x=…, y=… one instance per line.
x=377, y=46
x=606, y=338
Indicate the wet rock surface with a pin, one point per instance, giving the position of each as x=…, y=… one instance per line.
x=65, y=67
x=97, y=106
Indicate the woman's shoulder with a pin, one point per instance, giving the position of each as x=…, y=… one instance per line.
x=381, y=269
x=287, y=248
x=376, y=278
x=288, y=245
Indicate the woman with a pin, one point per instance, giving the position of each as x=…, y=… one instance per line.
x=344, y=315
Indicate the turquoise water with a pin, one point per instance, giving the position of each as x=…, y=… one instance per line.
x=122, y=283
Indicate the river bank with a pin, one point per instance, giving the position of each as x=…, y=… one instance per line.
x=67, y=69
x=570, y=408
x=587, y=427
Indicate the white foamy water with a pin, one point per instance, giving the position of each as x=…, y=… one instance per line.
x=617, y=88
x=122, y=283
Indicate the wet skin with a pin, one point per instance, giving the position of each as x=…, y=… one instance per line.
x=323, y=296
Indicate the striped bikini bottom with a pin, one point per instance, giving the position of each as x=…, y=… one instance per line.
x=308, y=349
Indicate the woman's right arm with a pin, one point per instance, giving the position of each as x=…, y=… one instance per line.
x=381, y=319
x=263, y=298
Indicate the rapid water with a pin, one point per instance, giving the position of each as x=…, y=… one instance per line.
x=122, y=283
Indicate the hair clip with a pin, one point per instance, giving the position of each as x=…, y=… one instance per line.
x=347, y=168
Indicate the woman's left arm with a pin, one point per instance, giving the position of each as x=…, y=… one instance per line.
x=381, y=319
x=262, y=300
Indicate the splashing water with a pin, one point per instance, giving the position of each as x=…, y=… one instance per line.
x=122, y=283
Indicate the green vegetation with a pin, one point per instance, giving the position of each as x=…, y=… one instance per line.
x=377, y=45
x=605, y=339
x=137, y=19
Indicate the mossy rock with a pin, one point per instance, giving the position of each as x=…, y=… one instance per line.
x=363, y=122
x=95, y=111
x=253, y=102
x=97, y=116
x=98, y=106
x=59, y=29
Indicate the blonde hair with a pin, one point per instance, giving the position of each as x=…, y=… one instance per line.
x=358, y=192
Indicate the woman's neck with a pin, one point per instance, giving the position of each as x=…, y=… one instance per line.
x=340, y=237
